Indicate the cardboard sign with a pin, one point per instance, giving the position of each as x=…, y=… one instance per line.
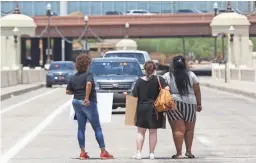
x=105, y=102
x=130, y=113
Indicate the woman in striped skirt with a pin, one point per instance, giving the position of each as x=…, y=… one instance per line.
x=184, y=87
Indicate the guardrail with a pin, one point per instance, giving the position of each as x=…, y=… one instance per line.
x=240, y=74
x=11, y=77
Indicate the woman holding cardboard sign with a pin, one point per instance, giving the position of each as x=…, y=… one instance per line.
x=147, y=90
x=82, y=86
x=184, y=86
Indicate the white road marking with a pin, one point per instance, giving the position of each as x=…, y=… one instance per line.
x=27, y=101
x=32, y=134
x=204, y=140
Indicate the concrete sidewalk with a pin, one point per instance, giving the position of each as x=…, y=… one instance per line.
x=8, y=92
x=238, y=87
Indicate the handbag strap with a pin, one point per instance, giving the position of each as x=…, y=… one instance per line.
x=159, y=82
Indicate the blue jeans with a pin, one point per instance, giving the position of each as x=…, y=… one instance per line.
x=84, y=113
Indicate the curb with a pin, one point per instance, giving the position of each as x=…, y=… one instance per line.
x=230, y=90
x=22, y=91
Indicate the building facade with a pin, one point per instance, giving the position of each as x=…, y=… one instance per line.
x=34, y=8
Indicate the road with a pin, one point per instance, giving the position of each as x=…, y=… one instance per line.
x=38, y=129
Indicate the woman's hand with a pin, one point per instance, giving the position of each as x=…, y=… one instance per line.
x=198, y=108
x=86, y=102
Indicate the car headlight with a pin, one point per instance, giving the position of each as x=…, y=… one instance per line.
x=97, y=86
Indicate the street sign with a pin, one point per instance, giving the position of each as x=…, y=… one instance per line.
x=86, y=45
x=48, y=51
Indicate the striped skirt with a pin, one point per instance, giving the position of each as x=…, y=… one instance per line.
x=183, y=111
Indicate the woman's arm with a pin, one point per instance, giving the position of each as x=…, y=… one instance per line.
x=135, y=91
x=69, y=88
x=197, y=93
x=198, y=96
x=88, y=88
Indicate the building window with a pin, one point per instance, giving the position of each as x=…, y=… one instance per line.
x=131, y=5
x=143, y=5
x=96, y=8
x=85, y=7
x=26, y=7
x=119, y=6
x=167, y=7
x=39, y=8
x=155, y=7
x=107, y=6
x=72, y=6
x=6, y=7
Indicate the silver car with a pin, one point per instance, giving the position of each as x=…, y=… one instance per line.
x=115, y=75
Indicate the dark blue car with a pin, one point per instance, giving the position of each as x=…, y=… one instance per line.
x=60, y=73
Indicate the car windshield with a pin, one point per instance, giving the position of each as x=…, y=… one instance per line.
x=62, y=66
x=115, y=68
x=138, y=56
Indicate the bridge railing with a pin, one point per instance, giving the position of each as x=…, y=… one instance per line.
x=240, y=74
x=11, y=77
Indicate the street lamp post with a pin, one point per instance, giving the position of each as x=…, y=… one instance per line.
x=86, y=19
x=229, y=8
x=223, y=45
x=184, y=46
x=231, y=51
x=127, y=26
x=49, y=50
x=215, y=7
x=15, y=35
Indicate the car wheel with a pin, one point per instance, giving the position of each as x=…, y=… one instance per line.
x=48, y=85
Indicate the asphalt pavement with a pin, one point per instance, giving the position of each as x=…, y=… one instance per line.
x=36, y=128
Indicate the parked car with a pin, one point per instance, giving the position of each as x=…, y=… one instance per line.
x=233, y=10
x=138, y=12
x=141, y=56
x=59, y=73
x=188, y=11
x=114, y=13
x=115, y=75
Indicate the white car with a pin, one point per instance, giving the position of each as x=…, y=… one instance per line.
x=141, y=56
x=138, y=12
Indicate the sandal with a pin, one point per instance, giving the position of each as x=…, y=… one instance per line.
x=177, y=157
x=189, y=155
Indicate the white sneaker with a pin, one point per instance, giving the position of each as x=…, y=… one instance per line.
x=151, y=156
x=137, y=156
